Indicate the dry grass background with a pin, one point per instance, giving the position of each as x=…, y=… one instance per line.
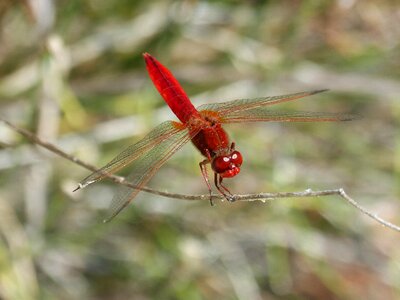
x=72, y=72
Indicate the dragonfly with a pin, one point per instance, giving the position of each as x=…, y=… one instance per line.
x=203, y=127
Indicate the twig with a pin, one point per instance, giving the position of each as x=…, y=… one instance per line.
x=245, y=197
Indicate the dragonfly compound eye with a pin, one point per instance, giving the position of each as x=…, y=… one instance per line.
x=221, y=163
x=236, y=158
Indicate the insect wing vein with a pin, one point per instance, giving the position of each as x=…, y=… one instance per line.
x=144, y=168
x=162, y=132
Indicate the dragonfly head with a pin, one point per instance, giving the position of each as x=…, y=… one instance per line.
x=227, y=165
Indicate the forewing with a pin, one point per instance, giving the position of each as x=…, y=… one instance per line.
x=228, y=108
x=144, y=167
x=159, y=134
x=264, y=115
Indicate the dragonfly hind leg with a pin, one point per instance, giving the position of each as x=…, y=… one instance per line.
x=223, y=189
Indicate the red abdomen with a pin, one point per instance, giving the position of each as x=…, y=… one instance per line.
x=170, y=89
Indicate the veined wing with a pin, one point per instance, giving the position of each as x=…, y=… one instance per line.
x=264, y=115
x=228, y=108
x=162, y=132
x=144, y=168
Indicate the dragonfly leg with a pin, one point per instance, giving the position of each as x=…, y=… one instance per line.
x=232, y=147
x=231, y=197
x=203, y=169
x=221, y=188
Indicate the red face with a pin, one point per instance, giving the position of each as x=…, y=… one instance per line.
x=227, y=165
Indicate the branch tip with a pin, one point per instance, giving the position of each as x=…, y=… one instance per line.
x=318, y=91
x=78, y=188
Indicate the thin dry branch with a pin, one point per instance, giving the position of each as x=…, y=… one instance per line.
x=245, y=197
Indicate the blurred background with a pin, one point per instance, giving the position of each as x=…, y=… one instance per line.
x=72, y=72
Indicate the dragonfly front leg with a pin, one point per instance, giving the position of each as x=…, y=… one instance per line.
x=222, y=189
x=203, y=169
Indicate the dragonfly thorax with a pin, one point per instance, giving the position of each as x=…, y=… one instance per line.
x=227, y=165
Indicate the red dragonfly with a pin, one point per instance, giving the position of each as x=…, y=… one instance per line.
x=202, y=126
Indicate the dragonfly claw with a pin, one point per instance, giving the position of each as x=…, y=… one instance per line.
x=211, y=200
x=230, y=198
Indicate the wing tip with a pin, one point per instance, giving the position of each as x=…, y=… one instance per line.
x=344, y=118
x=114, y=214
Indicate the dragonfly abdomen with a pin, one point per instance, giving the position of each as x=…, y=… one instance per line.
x=170, y=89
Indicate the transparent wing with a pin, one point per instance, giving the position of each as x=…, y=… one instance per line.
x=225, y=109
x=145, y=167
x=162, y=132
x=264, y=115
